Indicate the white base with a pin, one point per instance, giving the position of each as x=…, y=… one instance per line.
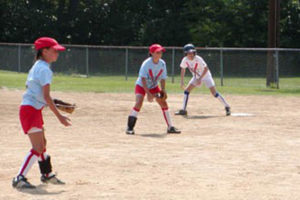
x=242, y=114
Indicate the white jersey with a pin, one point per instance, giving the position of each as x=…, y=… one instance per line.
x=39, y=75
x=196, y=66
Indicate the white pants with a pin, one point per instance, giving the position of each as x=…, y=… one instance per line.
x=207, y=80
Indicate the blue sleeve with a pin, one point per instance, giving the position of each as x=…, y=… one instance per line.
x=143, y=71
x=45, y=77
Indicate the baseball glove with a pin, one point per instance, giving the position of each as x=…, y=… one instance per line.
x=161, y=96
x=63, y=106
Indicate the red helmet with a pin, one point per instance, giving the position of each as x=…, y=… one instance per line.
x=44, y=42
x=156, y=48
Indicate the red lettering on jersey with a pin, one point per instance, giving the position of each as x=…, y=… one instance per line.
x=195, y=69
x=158, y=75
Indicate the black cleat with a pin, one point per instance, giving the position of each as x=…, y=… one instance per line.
x=181, y=112
x=51, y=179
x=20, y=182
x=129, y=131
x=228, y=112
x=173, y=130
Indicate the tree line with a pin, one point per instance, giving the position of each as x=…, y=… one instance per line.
x=218, y=23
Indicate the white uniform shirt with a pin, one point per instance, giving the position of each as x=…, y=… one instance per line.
x=39, y=75
x=196, y=66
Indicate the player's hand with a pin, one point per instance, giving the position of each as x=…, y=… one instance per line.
x=150, y=97
x=199, y=80
x=64, y=120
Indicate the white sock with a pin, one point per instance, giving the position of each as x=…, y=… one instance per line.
x=29, y=160
x=221, y=99
x=167, y=117
x=43, y=156
x=134, y=112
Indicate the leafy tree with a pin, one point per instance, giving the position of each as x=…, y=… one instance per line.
x=235, y=23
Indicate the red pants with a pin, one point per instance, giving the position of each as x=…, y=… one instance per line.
x=140, y=90
x=30, y=117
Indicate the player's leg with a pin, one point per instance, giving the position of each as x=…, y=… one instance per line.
x=165, y=109
x=210, y=83
x=37, y=140
x=47, y=176
x=221, y=99
x=132, y=118
x=186, y=94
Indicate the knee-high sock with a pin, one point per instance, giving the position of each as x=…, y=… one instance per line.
x=42, y=158
x=29, y=160
x=185, y=100
x=222, y=100
x=134, y=112
x=167, y=117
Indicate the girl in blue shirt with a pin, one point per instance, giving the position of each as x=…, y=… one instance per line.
x=152, y=71
x=36, y=96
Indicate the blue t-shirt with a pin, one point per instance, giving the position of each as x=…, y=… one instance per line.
x=39, y=75
x=152, y=72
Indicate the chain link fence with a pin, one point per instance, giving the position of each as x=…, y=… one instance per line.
x=126, y=61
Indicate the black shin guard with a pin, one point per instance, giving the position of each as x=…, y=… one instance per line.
x=131, y=122
x=45, y=166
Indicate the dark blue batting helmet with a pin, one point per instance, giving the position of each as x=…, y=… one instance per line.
x=189, y=48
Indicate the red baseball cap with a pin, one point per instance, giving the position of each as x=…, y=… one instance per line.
x=156, y=48
x=44, y=42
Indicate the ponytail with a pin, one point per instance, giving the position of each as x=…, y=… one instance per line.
x=38, y=54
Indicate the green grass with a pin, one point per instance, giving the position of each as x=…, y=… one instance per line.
x=241, y=86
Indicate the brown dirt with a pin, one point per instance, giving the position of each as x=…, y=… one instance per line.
x=216, y=157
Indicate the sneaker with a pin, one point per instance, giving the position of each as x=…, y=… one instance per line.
x=172, y=129
x=181, y=112
x=228, y=112
x=51, y=179
x=21, y=182
x=129, y=131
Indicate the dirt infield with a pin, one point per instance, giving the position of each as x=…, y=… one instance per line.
x=216, y=157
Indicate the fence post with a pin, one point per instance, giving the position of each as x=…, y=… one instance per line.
x=126, y=64
x=87, y=61
x=19, y=58
x=277, y=68
x=221, y=66
x=173, y=65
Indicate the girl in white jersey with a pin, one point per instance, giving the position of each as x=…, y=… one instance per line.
x=37, y=95
x=152, y=71
x=201, y=74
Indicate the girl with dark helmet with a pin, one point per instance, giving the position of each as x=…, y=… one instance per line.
x=201, y=74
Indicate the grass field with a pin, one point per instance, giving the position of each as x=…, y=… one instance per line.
x=112, y=84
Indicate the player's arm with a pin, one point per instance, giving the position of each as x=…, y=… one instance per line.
x=149, y=95
x=163, y=85
x=144, y=82
x=143, y=74
x=182, y=78
x=46, y=92
x=204, y=72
